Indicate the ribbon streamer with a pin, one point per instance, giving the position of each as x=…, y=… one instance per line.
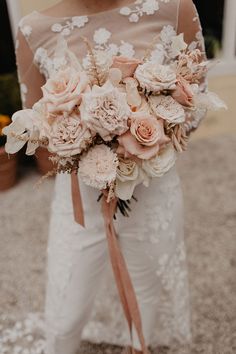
x=121, y=274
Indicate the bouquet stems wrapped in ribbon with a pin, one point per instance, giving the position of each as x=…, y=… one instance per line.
x=116, y=122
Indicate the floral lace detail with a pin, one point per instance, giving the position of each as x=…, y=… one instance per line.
x=45, y=63
x=143, y=7
x=101, y=39
x=26, y=30
x=24, y=91
x=70, y=25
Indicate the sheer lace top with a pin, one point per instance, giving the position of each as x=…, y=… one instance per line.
x=127, y=31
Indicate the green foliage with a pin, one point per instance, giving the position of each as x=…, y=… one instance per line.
x=9, y=94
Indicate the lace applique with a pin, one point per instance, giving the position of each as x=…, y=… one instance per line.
x=46, y=64
x=24, y=91
x=101, y=38
x=70, y=25
x=26, y=30
x=143, y=7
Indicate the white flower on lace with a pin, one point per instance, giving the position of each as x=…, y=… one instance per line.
x=101, y=36
x=26, y=30
x=167, y=108
x=70, y=25
x=98, y=167
x=148, y=7
x=126, y=49
x=24, y=91
x=79, y=21
x=158, y=54
x=167, y=33
x=177, y=45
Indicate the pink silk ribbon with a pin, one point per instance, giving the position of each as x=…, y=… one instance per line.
x=122, y=277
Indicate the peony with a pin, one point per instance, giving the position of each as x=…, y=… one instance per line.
x=167, y=108
x=145, y=137
x=126, y=65
x=162, y=163
x=68, y=135
x=25, y=126
x=183, y=92
x=98, y=166
x=105, y=110
x=62, y=92
x=155, y=77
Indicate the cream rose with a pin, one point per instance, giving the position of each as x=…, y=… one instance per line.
x=62, y=92
x=167, y=108
x=68, y=135
x=126, y=65
x=145, y=137
x=129, y=175
x=183, y=92
x=155, y=77
x=160, y=164
x=105, y=110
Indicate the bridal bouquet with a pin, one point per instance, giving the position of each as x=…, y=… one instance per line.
x=118, y=121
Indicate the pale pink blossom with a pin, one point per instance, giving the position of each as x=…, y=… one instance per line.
x=126, y=65
x=145, y=137
x=183, y=92
x=62, y=92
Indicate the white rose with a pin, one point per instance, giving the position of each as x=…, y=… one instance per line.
x=155, y=77
x=162, y=163
x=128, y=176
x=167, y=108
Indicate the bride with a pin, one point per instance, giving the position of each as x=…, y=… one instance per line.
x=151, y=239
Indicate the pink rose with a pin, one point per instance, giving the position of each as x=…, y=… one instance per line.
x=145, y=137
x=62, y=92
x=126, y=65
x=183, y=93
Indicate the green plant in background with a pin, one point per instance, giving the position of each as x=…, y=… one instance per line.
x=213, y=44
x=10, y=101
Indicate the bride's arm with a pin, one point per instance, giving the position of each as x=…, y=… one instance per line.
x=189, y=24
x=30, y=78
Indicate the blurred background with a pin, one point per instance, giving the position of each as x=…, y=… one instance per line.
x=208, y=173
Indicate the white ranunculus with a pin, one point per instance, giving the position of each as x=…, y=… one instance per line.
x=25, y=126
x=155, y=77
x=161, y=164
x=167, y=108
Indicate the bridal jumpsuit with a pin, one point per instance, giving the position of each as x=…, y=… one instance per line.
x=81, y=299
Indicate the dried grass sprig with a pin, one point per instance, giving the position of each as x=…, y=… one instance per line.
x=41, y=142
x=49, y=174
x=94, y=67
x=178, y=135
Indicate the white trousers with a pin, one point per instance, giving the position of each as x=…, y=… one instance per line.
x=151, y=240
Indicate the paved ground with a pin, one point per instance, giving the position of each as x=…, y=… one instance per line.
x=208, y=175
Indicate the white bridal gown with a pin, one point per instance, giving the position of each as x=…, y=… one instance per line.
x=152, y=238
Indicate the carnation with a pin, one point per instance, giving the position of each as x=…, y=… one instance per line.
x=98, y=166
x=105, y=110
x=68, y=135
x=155, y=77
x=167, y=108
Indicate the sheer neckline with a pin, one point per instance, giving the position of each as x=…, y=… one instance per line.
x=115, y=9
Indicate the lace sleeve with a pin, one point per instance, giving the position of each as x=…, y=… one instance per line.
x=189, y=24
x=30, y=78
